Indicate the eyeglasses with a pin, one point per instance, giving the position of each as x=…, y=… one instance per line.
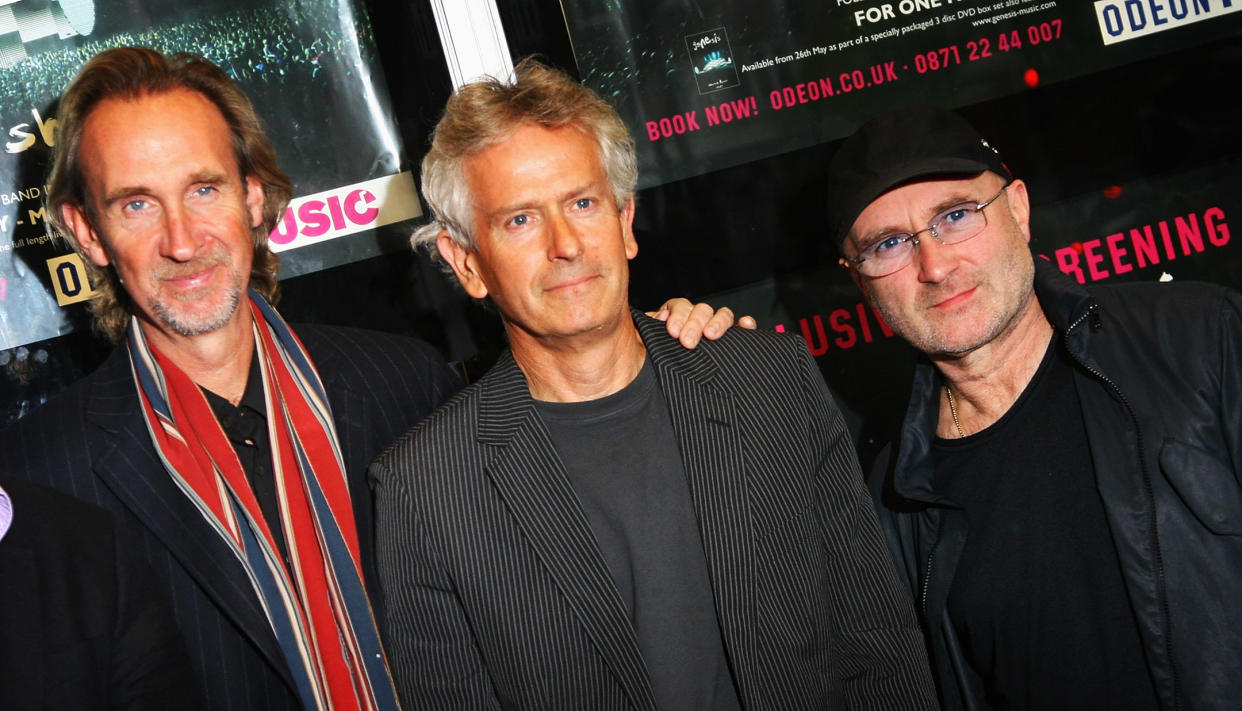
x=895, y=251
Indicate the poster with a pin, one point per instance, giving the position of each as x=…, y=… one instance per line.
x=310, y=68
x=1163, y=229
x=734, y=107
x=704, y=86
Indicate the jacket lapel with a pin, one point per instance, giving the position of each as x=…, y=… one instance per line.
x=129, y=466
x=532, y=479
x=704, y=419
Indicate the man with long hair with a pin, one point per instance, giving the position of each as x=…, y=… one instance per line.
x=234, y=448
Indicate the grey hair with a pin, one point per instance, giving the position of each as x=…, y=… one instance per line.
x=483, y=113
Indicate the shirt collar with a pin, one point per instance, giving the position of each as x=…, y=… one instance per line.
x=252, y=397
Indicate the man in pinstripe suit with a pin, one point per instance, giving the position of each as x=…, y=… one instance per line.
x=166, y=186
x=607, y=520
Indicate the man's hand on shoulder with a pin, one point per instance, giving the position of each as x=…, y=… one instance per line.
x=688, y=322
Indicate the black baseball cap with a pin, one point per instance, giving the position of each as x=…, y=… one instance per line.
x=899, y=147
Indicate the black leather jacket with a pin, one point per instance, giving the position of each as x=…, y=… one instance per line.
x=1159, y=375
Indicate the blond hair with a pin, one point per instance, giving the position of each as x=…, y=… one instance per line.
x=480, y=114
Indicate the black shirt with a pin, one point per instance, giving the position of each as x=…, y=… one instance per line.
x=1037, y=597
x=245, y=424
x=625, y=466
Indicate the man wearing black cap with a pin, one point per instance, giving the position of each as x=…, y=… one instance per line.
x=1064, y=501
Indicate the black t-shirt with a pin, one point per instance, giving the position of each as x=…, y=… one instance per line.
x=1037, y=597
x=625, y=466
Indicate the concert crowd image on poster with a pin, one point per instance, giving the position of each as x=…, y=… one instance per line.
x=308, y=65
x=704, y=86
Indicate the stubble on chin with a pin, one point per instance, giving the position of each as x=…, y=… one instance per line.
x=185, y=315
x=183, y=323
x=942, y=334
x=181, y=313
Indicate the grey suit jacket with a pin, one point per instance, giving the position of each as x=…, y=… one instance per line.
x=91, y=442
x=498, y=596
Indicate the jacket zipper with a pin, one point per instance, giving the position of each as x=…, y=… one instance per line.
x=927, y=581
x=1148, y=489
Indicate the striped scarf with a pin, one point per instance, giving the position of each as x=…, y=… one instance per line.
x=316, y=603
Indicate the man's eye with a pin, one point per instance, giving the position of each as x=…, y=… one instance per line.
x=583, y=203
x=955, y=215
x=519, y=220
x=134, y=206
x=205, y=190
x=888, y=243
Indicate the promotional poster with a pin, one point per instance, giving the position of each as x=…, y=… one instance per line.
x=704, y=86
x=735, y=108
x=310, y=68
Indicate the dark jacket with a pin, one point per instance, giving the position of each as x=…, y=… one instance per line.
x=1158, y=368
x=92, y=443
x=499, y=596
x=81, y=626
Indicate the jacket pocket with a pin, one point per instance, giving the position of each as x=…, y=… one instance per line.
x=1207, y=485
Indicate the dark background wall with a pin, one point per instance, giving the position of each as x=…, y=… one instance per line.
x=1109, y=151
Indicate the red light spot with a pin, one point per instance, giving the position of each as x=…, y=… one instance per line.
x=1076, y=246
x=1112, y=192
x=1031, y=77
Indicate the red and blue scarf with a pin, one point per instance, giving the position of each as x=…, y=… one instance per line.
x=316, y=602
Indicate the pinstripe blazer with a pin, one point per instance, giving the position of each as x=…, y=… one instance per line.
x=92, y=443
x=498, y=595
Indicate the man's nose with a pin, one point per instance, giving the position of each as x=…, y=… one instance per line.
x=180, y=241
x=935, y=260
x=564, y=242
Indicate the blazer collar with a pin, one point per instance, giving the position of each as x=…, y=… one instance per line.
x=504, y=398
x=129, y=467
x=532, y=479
x=712, y=439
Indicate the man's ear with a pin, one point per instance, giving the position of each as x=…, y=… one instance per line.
x=74, y=217
x=1020, y=206
x=627, y=229
x=465, y=264
x=255, y=200
x=850, y=266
